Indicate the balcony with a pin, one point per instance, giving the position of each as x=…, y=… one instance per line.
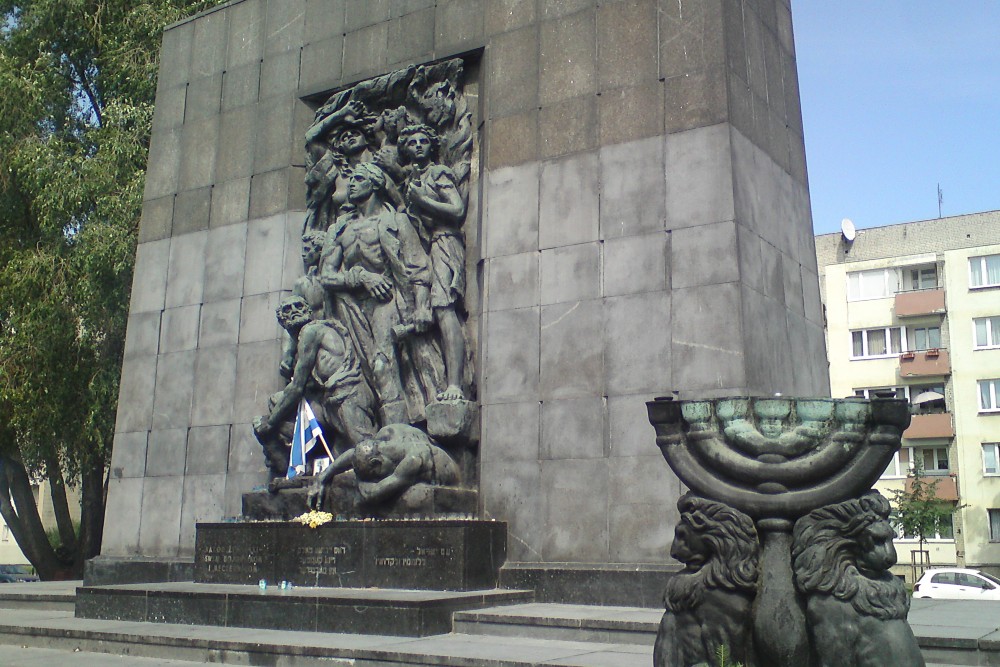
x=930, y=426
x=925, y=363
x=946, y=489
x=920, y=302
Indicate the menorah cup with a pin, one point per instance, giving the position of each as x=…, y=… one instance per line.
x=776, y=460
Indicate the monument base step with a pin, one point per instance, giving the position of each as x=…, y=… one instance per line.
x=42, y=595
x=243, y=646
x=408, y=613
x=572, y=622
x=506, y=644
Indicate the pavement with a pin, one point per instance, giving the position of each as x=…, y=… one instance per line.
x=950, y=632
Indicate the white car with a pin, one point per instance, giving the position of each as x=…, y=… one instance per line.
x=956, y=583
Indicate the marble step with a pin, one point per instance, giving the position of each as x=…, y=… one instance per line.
x=410, y=613
x=46, y=595
x=544, y=620
x=61, y=631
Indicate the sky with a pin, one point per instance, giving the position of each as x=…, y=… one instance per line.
x=899, y=96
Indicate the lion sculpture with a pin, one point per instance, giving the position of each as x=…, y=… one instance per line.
x=856, y=609
x=708, y=603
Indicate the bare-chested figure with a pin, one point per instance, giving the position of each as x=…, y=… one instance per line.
x=328, y=375
x=389, y=464
x=379, y=275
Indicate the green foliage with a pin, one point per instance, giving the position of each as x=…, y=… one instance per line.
x=722, y=655
x=917, y=509
x=79, y=80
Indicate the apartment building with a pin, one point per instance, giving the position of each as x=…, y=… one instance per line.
x=914, y=309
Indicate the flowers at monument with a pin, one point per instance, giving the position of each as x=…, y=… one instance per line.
x=314, y=519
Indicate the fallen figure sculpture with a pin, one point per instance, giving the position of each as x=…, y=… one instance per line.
x=388, y=466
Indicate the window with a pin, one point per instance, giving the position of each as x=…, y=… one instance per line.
x=946, y=531
x=989, y=395
x=924, y=277
x=875, y=284
x=899, y=465
x=984, y=271
x=876, y=342
x=991, y=458
x=6, y=533
x=925, y=338
x=870, y=392
x=927, y=399
x=987, y=332
x=994, y=517
x=933, y=460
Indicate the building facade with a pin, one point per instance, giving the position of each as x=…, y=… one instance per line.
x=914, y=309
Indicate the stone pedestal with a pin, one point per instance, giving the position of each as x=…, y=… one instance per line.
x=422, y=555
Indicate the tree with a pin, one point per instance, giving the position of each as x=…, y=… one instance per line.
x=917, y=510
x=79, y=79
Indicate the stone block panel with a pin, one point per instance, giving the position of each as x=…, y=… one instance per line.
x=635, y=112
x=214, y=386
x=284, y=27
x=633, y=264
x=567, y=127
x=512, y=281
x=135, y=395
x=569, y=201
x=704, y=255
x=511, y=431
x=511, y=220
x=179, y=328
x=220, y=323
x=575, y=531
x=627, y=43
x=505, y=15
x=691, y=35
x=709, y=340
x=570, y=273
x=699, y=172
x=128, y=455
x=208, y=48
x=166, y=453
x=230, y=202
x=568, y=58
x=459, y=25
x=633, y=188
x=142, y=336
x=513, y=492
x=191, y=211
x=572, y=354
x=160, y=516
x=637, y=348
x=512, y=140
x=225, y=254
x=246, y=34
x=207, y=451
x=121, y=538
x=511, y=356
x=573, y=428
x=513, y=72
x=411, y=38
x=172, y=393
x=186, y=270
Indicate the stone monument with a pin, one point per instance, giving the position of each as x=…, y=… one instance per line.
x=627, y=183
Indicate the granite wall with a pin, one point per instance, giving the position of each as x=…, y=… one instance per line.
x=642, y=227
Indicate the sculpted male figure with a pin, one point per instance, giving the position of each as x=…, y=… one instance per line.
x=389, y=464
x=310, y=289
x=328, y=375
x=435, y=202
x=377, y=271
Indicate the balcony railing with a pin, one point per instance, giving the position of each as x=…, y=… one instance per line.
x=934, y=362
x=920, y=302
x=930, y=426
x=946, y=489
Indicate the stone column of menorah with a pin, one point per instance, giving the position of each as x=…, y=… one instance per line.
x=815, y=589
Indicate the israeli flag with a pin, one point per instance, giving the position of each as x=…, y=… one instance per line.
x=307, y=433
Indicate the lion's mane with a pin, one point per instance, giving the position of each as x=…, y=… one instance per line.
x=824, y=558
x=733, y=558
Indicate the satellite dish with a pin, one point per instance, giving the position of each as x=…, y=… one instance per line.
x=848, y=230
